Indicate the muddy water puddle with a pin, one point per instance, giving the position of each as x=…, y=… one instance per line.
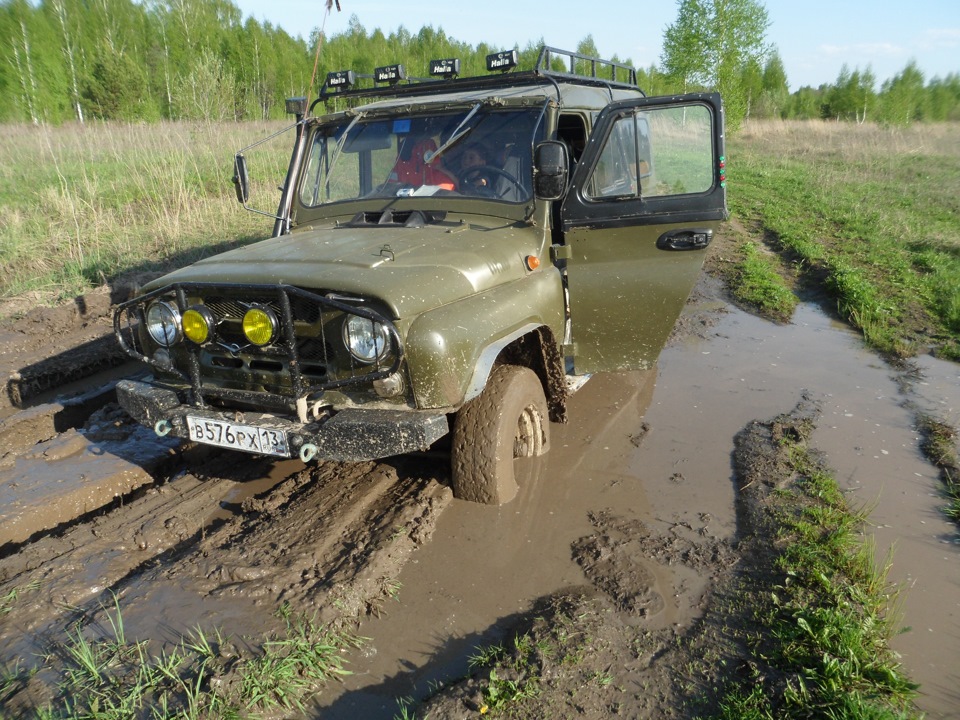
x=868, y=435
x=748, y=368
x=635, y=498
x=656, y=450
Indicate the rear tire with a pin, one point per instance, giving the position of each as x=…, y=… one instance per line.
x=507, y=420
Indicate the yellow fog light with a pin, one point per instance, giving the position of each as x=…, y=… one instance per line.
x=260, y=325
x=198, y=324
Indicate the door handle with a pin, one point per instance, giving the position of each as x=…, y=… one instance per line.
x=688, y=239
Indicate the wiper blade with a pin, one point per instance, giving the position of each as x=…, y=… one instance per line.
x=455, y=137
x=335, y=155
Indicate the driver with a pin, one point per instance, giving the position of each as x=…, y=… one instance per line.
x=474, y=156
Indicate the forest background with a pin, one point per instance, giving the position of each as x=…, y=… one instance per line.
x=63, y=60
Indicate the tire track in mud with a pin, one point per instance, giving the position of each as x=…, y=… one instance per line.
x=226, y=530
x=332, y=538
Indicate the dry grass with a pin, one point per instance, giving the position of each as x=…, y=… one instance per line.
x=801, y=138
x=82, y=204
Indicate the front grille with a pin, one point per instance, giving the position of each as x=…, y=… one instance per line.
x=314, y=349
x=313, y=360
x=234, y=308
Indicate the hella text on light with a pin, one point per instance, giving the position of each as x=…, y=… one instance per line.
x=502, y=61
x=389, y=74
x=341, y=79
x=445, y=67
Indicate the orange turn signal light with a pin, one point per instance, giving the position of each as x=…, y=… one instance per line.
x=532, y=262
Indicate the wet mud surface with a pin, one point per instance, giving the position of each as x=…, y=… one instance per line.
x=624, y=533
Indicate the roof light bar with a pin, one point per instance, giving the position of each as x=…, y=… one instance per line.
x=446, y=67
x=503, y=61
x=389, y=74
x=341, y=79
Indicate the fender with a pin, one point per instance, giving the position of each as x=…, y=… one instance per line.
x=451, y=350
x=488, y=356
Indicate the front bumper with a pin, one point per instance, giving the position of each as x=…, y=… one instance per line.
x=350, y=435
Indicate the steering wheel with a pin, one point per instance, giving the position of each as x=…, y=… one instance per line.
x=481, y=170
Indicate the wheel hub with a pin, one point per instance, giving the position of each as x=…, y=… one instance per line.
x=528, y=441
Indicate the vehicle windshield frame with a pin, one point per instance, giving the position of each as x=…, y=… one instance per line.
x=365, y=147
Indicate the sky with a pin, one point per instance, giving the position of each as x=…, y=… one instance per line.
x=815, y=38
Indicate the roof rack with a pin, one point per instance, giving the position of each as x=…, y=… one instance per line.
x=544, y=61
x=583, y=70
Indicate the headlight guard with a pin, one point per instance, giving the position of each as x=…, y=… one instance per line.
x=365, y=339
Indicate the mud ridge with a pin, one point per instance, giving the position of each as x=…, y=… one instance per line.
x=47, y=347
x=331, y=537
x=66, y=463
x=597, y=651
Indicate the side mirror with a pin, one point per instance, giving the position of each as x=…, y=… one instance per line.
x=551, y=169
x=241, y=183
x=296, y=106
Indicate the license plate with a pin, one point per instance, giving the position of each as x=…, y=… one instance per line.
x=238, y=437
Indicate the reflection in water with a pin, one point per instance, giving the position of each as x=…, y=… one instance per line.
x=752, y=369
x=664, y=456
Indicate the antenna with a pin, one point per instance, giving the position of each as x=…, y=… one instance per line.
x=320, y=36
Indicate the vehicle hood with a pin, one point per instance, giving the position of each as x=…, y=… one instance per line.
x=410, y=269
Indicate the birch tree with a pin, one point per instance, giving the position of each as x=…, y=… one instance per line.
x=711, y=43
x=69, y=50
x=686, y=51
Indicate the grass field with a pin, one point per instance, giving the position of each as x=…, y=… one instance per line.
x=869, y=215
x=82, y=204
x=866, y=214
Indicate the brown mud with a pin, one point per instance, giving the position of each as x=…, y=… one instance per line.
x=622, y=534
x=44, y=349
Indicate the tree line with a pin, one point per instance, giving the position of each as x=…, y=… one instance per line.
x=721, y=44
x=64, y=60
x=125, y=60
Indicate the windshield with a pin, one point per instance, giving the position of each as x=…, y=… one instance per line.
x=467, y=152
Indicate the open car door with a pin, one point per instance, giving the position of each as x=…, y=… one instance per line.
x=645, y=198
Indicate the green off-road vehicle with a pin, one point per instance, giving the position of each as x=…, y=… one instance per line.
x=449, y=256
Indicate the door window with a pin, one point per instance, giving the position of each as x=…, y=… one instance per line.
x=656, y=152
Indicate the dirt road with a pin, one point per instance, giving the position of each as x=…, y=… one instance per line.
x=628, y=523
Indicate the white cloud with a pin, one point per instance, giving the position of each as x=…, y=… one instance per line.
x=863, y=49
x=943, y=37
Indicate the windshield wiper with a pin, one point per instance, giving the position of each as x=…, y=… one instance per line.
x=455, y=137
x=335, y=155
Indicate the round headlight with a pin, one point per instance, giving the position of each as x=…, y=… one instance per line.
x=260, y=325
x=163, y=323
x=366, y=340
x=198, y=324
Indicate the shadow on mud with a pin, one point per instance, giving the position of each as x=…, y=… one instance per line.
x=75, y=340
x=450, y=664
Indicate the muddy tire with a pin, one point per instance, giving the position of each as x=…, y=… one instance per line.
x=507, y=420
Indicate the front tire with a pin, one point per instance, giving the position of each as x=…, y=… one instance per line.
x=507, y=420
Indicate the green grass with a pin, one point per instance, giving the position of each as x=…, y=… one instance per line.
x=758, y=283
x=819, y=644
x=80, y=205
x=13, y=595
x=870, y=215
x=100, y=676
x=939, y=445
x=512, y=676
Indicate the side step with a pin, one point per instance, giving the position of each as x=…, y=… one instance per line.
x=575, y=382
